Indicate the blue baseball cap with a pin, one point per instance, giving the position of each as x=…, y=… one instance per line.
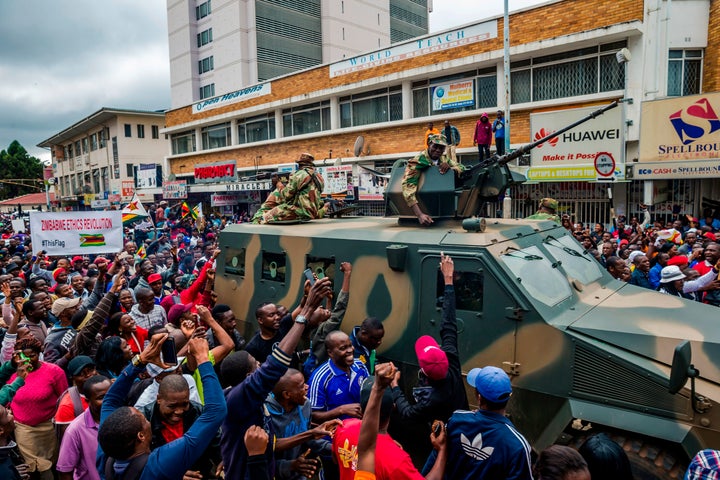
x=491, y=383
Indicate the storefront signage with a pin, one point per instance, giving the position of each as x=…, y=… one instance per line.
x=215, y=172
x=338, y=180
x=370, y=185
x=127, y=189
x=575, y=154
x=555, y=174
x=675, y=170
x=256, y=185
x=682, y=128
x=146, y=176
x=453, y=95
x=101, y=203
x=220, y=200
x=174, y=190
x=77, y=233
x=418, y=47
x=232, y=97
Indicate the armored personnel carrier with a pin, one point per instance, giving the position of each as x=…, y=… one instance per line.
x=585, y=352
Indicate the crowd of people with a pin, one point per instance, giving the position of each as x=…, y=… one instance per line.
x=128, y=366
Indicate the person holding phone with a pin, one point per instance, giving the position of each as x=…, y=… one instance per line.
x=125, y=435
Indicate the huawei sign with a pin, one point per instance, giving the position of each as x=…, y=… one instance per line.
x=542, y=133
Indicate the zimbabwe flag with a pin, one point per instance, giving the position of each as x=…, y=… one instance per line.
x=92, y=239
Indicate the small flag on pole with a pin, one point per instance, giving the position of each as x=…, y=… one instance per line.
x=133, y=211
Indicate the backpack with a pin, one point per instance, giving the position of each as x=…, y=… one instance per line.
x=132, y=472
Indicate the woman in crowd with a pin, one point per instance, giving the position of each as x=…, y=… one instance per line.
x=34, y=406
x=112, y=356
x=123, y=325
x=558, y=462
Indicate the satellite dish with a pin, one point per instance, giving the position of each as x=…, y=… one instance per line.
x=359, y=143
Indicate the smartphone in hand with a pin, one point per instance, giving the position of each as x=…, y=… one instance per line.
x=309, y=275
x=168, y=352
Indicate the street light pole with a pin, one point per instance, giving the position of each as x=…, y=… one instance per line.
x=506, y=69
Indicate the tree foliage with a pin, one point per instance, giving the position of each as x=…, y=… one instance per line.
x=15, y=164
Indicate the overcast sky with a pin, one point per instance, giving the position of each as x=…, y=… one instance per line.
x=77, y=56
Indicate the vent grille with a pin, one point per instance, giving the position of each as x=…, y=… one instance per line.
x=605, y=379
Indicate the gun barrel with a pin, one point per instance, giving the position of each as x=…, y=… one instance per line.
x=526, y=148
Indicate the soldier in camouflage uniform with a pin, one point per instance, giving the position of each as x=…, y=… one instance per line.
x=301, y=199
x=272, y=200
x=434, y=155
x=546, y=210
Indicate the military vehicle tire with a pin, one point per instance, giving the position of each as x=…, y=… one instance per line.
x=650, y=458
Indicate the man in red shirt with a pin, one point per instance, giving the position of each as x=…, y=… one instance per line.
x=391, y=461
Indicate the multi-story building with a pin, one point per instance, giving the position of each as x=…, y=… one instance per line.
x=218, y=46
x=102, y=157
x=372, y=108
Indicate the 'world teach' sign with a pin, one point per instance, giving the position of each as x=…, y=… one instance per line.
x=417, y=47
x=232, y=97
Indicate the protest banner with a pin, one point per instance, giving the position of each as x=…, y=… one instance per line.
x=76, y=233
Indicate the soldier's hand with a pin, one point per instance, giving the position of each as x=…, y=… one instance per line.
x=425, y=219
x=443, y=167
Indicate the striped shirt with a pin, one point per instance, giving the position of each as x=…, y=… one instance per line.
x=331, y=387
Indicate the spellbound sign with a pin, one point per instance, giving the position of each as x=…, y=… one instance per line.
x=215, y=172
x=682, y=128
x=418, y=47
x=232, y=97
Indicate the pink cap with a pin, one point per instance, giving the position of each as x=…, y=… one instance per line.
x=432, y=359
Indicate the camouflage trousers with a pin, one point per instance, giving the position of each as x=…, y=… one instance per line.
x=284, y=213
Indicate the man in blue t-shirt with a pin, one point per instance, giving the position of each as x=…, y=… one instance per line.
x=484, y=444
x=335, y=385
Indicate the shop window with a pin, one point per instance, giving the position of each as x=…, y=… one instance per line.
x=468, y=290
x=684, y=72
x=377, y=106
x=207, y=91
x=235, y=261
x=567, y=74
x=306, y=119
x=273, y=266
x=256, y=129
x=183, y=142
x=216, y=136
x=203, y=10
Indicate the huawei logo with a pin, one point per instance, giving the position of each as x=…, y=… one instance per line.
x=542, y=133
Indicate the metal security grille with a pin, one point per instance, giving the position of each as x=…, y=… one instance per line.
x=585, y=202
x=683, y=199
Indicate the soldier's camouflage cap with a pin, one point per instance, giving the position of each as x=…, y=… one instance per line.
x=549, y=203
x=438, y=140
x=306, y=158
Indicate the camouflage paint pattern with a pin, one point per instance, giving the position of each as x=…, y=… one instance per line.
x=599, y=349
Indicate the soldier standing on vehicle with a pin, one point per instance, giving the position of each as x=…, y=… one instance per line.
x=547, y=210
x=434, y=155
x=301, y=199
